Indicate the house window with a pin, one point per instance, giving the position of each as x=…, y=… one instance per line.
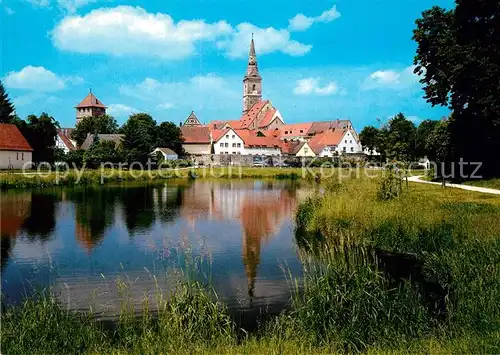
x=226, y=153
x=239, y=145
x=17, y=155
x=345, y=149
x=352, y=149
x=234, y=145
x=232, y=136
x=22, y=156
x=286, y=132
x=239, y=153
x=306, y=150
x=227, y=136
x=346, y=141
x=350, y=142
x=222, y=145
x=301, y=131
x=226, y=145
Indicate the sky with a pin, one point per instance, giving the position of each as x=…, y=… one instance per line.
x=319, y=59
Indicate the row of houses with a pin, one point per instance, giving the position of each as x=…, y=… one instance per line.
x=275, y=138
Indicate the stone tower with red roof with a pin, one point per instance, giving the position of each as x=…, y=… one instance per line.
x=90, y=106
x=252, y=82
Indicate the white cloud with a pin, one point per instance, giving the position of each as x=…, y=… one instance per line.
x=311, y=85
x=267, y=40
x=165, y=106
x=127, y=30
x=132, y=31
x=302, y=22
x=9, y=11
x=34, y=78
x=39, y=79
x=394, y=79
x=69, y=6
x=120, y=110
x=73, y=5
x=208, y=91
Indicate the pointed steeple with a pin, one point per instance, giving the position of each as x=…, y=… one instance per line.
x=253, y=68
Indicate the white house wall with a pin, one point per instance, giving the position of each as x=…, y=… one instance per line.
x=230, y=143
x=350, y=144
x=268, y=151
x=12, y=159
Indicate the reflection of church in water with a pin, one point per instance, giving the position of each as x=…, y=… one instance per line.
x=261, y=212
x=259, y=209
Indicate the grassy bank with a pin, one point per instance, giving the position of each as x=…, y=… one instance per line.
x=491, y=183
x=95, y=177
x=426, y=264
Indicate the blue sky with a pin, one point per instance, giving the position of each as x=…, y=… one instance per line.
x=319, y=59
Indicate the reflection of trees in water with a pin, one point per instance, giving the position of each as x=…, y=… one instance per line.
x=94, y=213
x=7, y=243
x=168, y=201
x=41, y=221
x=137, y=205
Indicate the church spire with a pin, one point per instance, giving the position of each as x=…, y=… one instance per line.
x=252, y=82
x=253, y=68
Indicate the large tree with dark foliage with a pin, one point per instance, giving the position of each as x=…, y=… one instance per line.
x=104, y=124
x=7, y=109
x=369, y=138
x=458, y=57
x=140, y=132
x=399, y=138
x=41, y=134
x=169, y=135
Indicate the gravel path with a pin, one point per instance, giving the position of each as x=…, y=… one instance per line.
x=458, y=186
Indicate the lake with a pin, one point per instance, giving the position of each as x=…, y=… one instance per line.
x=237, y=234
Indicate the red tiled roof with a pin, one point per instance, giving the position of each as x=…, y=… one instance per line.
x=218, y=134
x=247, y=119
x=91, y=101
x=295, y=130
x=195, y=134
x=327, y=138
x=251, y=139
x=291, y=147
x=66, y=140
x=267, y=118
x=12, y=139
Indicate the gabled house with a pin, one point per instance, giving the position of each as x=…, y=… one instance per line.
x=244, y=142
x=167, y=153
x=117, y=138
x=196, y=140
x=64, y=140
x=15, y=150
x=335, y=142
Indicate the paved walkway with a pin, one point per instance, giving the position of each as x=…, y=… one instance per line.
x=458, y=186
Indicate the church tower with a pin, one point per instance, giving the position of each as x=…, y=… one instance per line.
x=252, y=82
x=90, y=106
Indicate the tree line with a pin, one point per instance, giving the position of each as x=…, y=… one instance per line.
x=140, y=135
x=402, y=140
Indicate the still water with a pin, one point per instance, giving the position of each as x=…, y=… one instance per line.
x=80, y=241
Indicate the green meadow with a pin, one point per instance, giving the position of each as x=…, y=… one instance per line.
x=415, y=273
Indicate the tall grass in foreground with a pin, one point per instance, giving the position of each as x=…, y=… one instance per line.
x=431, y=257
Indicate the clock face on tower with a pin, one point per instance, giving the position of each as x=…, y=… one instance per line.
x=251, y=60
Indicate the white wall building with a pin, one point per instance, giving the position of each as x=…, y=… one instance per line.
x=244, y=142
x=15, y=150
